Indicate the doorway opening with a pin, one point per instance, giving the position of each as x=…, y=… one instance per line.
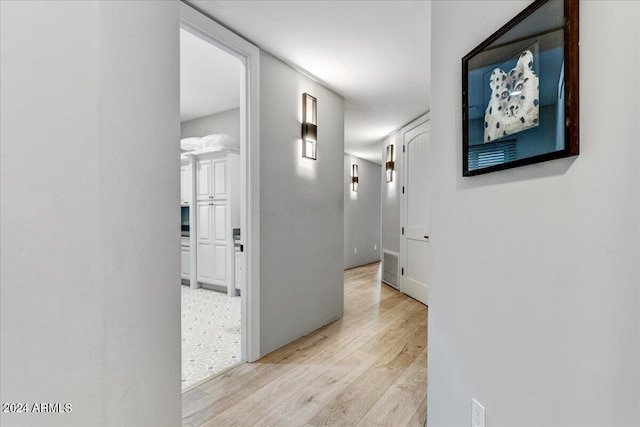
x=219, y=198
x=211, y=259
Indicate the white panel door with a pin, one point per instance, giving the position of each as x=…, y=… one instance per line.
x=415, y=237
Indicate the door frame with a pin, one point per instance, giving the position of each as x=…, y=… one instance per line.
x=426, y=117
x=249, y=55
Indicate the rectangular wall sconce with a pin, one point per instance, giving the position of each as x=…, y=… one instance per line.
x=309, y=127
x=354, y=177
x=389, y=163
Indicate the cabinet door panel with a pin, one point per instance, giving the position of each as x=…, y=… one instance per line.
x=203, y=179
x=205, y=264
x=220, y=179
x=220, y=270
x=204, y=228
x=185, y=260
x=220, y=213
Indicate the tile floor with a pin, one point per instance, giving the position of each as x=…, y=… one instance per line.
x=210, y=333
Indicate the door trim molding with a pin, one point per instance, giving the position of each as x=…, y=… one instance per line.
x=209, y=30
x=415, y=123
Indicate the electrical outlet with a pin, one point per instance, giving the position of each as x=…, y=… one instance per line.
x=355, y=250
x=375, y=246
x=477, y=414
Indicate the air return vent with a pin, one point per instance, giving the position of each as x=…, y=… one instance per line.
x=390, y=268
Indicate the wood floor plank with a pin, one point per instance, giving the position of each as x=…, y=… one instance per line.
x=301, y=375
x=420, y=417
x=368, y=367
x=397, y=405
x=304, y=366
x=350, y=406
x=287, y=388
x=311, y=399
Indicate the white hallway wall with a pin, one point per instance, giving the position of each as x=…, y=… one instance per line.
x=90, y=308
x=302, y=211
x=534, y=274
x=361, y=213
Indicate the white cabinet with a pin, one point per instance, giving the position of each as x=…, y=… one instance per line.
x=185, y=184
x=212, y=178
x=213, y=237
x=216, y=209
x=185, y=261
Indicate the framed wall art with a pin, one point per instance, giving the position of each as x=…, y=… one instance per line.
x=520, y=91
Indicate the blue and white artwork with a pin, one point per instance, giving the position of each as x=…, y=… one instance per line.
x=514, y=99
x=517, y=99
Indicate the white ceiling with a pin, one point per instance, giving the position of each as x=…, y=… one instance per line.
x=373, y=53
x=209, y=78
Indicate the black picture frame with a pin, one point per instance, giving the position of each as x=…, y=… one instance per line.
x=520, y=99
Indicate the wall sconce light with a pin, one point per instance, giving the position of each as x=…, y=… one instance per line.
x=389, y=164
x=354, y=177
x=309, y=127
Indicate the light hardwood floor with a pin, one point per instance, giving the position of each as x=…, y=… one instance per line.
x=367, y=369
